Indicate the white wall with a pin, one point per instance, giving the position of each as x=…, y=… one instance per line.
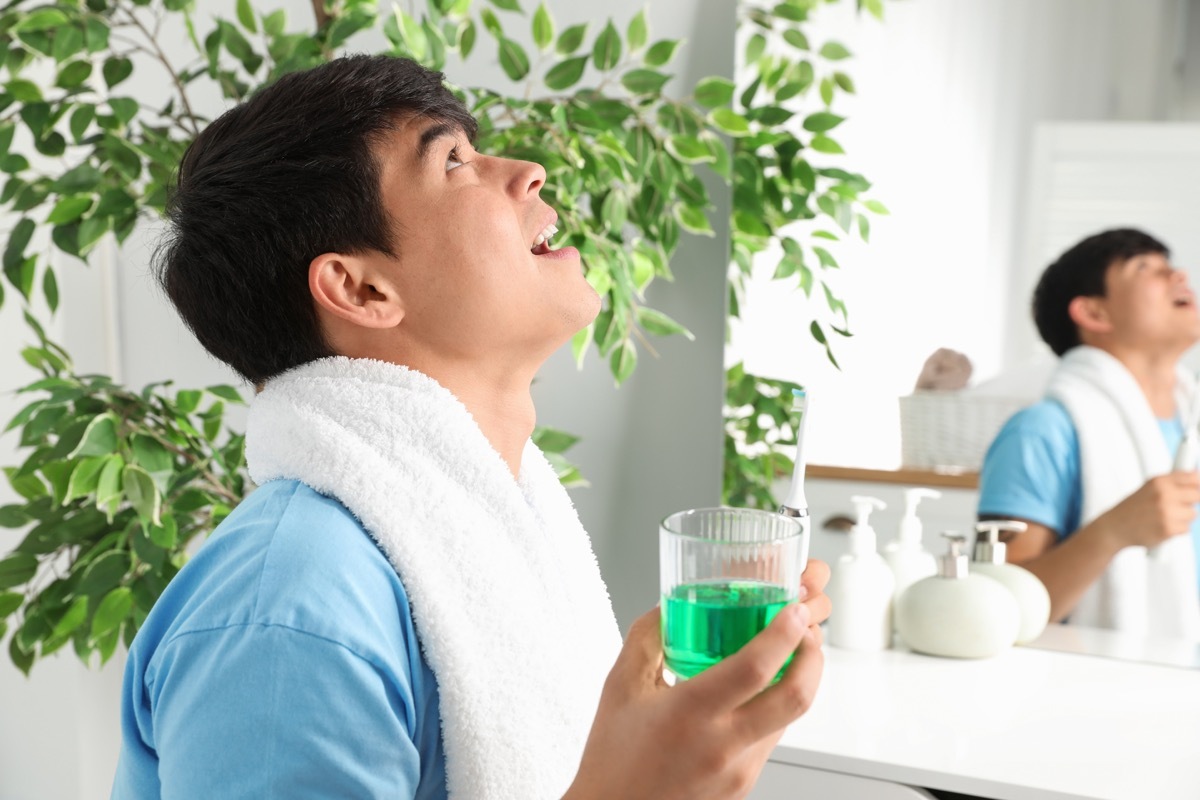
x=949, y=94
x=650, y=448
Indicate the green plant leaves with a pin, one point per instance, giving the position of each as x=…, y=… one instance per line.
x=606, y=52
x=638, y=31
x=566, y=74
x=730, y=122
x=40, y=20
x=513, y=59
x=661, y=53
x=543, y=28
x=714, y=91
x=112, y=611
x=822, y=121
x=834, y=51
x=658, y=323
x=103, y=573
x=69, y=209
x=16, y=569
x=115, y=70
x=623, y=361
x=100, y=438
x=141, y=492
x=570, y=39
x=644, y=81
x=245, y=15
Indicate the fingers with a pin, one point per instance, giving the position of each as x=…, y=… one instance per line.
x=816, y=576
x=639, y=663
x=728, y=684
x=781, y=704
x=819, y=606
x=814, y=580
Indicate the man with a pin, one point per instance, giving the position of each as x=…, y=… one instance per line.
x=1111, y=522
x=407, y=606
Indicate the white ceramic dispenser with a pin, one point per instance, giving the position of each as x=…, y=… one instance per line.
x=860, y=588
x=955, y=613
x=909, y=561
x=1033, y=601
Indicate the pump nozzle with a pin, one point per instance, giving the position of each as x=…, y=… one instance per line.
x=988, y=547
x=954, y=563
x=910, y=523
x=864, y=505
x=862, y=535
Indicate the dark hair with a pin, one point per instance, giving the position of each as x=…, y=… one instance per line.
x=1080, y=272
x=276, y=181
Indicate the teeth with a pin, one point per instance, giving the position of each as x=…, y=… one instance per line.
x=546, y=235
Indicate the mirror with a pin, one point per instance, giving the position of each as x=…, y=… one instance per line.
x=998, y=133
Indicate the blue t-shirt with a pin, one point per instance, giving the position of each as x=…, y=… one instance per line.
x=281, y=662
x=1032, y=470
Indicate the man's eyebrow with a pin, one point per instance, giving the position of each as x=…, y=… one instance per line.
x=440, y=130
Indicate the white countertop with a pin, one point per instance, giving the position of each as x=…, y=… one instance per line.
x=1026, y=725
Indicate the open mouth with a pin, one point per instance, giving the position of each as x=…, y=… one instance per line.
x=541, y=244
x=1184, y=302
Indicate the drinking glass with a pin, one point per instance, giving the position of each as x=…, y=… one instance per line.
x=725, y=573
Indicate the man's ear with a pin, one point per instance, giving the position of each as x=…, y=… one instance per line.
x=353, y=289
x=1090, y=314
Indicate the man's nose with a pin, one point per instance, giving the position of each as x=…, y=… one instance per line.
x=527, y=179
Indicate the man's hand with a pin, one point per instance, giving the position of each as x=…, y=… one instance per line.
x=707, y=737
x=1164, y=507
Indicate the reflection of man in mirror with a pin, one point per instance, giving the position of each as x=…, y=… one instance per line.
x=407, y=605
x=1095, y=468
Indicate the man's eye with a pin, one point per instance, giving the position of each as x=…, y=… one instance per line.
x=453, y=161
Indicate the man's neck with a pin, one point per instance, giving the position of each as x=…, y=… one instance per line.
x=1155, y=373
x=503, y=409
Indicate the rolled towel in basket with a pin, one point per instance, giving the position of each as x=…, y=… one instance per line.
x=945, y=370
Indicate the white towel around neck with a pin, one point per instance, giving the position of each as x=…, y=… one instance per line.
x=1121, y=447
x=510, y=609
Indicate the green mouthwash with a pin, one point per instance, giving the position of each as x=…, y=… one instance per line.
x=705, y=622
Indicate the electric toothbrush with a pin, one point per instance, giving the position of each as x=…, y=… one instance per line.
x=1188, y=454
x=796, y=504
x=1189, y=449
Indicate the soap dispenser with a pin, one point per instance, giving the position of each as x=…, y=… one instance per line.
x=860, y=588
x=1033, y=601
x=909, y=561
x=955, y=613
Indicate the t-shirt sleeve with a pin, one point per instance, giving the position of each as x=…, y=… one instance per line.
x=1031, y=470
x=265, y=711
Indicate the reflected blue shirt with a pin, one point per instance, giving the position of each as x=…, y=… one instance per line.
x=282, y=662
x=1032, y=470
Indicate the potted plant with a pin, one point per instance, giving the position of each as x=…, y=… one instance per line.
x=116, y=482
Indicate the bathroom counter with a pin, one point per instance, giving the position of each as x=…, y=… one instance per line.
x=1029, y=724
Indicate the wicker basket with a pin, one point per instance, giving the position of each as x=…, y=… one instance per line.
x=951, y=430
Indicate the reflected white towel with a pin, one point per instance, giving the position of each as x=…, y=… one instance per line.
x=512, y=615
x=1120, y=448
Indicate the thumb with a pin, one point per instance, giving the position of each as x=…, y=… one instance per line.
x=641, y=657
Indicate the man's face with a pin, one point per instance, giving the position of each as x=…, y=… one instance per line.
x=473, y=286
x=1150, y=303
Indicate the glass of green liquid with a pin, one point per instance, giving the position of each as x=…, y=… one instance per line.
x=725, y=573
